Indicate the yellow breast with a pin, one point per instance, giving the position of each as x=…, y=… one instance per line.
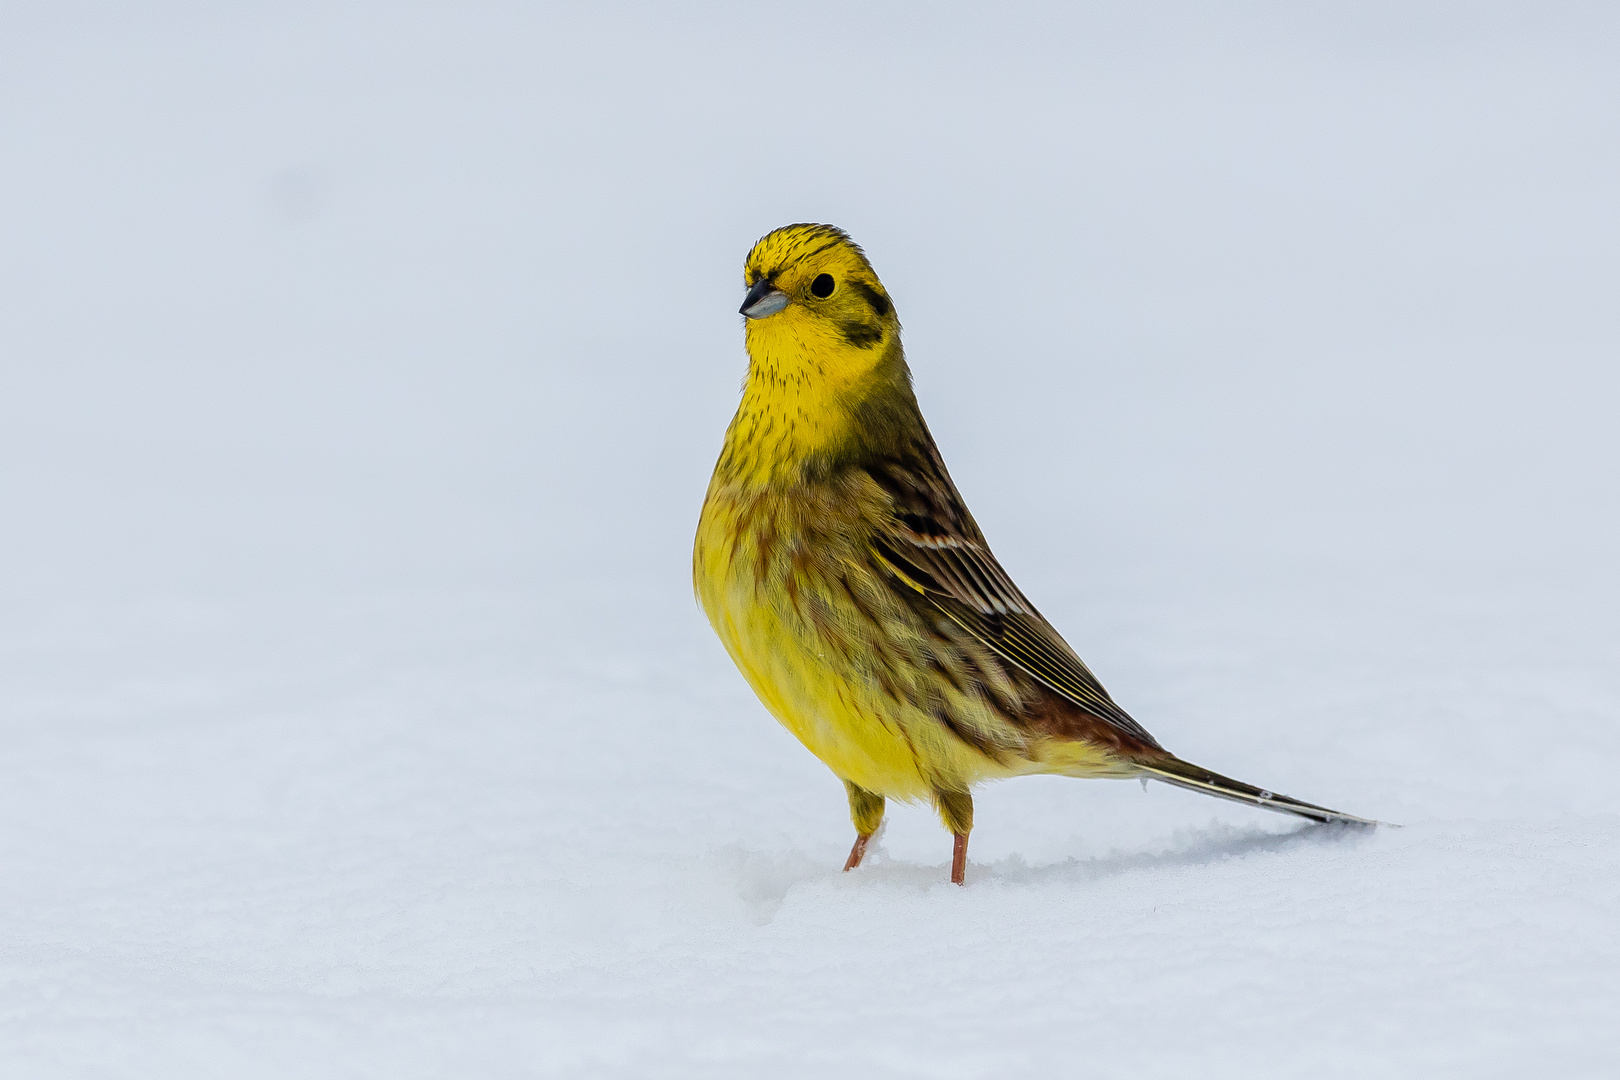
x=768, y=585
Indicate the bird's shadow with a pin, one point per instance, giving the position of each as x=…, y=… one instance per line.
x=763, y=881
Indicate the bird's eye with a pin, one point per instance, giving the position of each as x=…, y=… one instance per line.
x=822, y=287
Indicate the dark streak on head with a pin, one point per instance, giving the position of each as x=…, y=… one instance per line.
x=879, y=302
x=828, y=246
x=832, y=234
x=860, y=334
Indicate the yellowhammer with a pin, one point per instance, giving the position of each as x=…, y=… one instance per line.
x=848, y=581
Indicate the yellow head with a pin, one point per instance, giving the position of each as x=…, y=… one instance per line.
x=824, y=356
x=816, y=311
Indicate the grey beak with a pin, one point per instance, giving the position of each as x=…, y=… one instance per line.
x=762, y=300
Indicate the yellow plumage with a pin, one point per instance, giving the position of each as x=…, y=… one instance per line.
x=847, y=580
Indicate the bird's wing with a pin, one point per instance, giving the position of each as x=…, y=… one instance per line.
x=933, y=544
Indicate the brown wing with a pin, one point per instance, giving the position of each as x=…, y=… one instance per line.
x=935, y=546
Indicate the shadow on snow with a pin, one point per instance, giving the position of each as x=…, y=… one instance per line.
x=763, y=880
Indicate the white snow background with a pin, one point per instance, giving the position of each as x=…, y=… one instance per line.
x=363, y=368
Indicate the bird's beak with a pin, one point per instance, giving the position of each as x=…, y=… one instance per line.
x=762, y=300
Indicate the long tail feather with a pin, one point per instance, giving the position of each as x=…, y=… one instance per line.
x=1184, y=774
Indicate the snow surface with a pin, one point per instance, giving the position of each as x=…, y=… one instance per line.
x=362, y=373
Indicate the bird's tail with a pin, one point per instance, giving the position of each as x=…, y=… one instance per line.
x=1184, y=774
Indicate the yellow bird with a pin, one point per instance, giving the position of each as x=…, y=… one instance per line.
x=852, y=588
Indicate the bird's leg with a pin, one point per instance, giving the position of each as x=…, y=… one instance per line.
x=866, y=811
x=858, y=852
x=956, y=811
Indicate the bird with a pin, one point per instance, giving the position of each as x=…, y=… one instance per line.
x=845, y=576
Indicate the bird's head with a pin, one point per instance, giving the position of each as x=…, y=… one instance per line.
x=814, y=305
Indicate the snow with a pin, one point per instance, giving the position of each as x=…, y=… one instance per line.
x=362, y=373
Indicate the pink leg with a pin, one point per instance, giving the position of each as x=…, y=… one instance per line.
x=858, y=852
x=959, y=859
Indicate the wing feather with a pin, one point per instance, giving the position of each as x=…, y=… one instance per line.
x=933, y=544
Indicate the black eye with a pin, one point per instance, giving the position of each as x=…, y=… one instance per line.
x=822, y=287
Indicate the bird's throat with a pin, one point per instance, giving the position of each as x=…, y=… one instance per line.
x=796, y=409
x=781, y=428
